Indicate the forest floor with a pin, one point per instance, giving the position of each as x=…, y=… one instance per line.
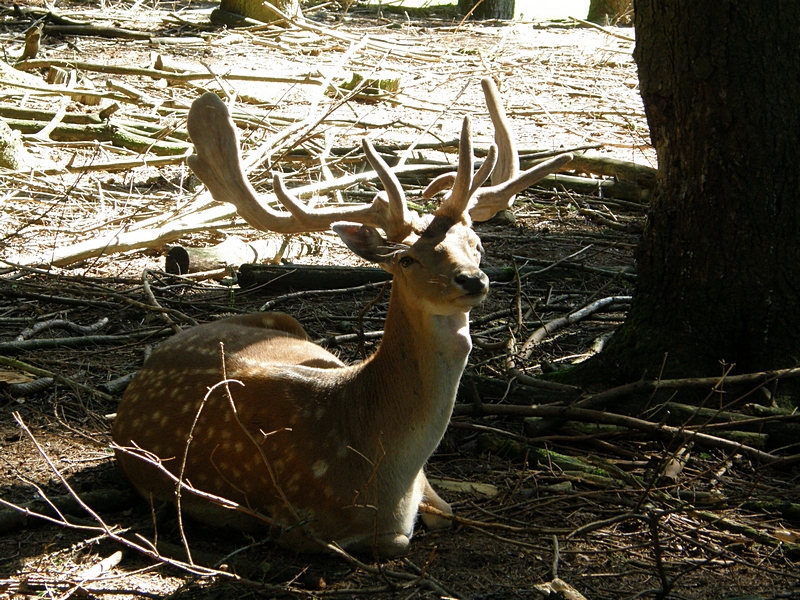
x=612, y=502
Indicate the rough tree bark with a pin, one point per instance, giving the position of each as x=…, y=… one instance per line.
x=719, y=262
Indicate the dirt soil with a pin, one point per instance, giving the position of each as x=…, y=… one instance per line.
x=543, y=506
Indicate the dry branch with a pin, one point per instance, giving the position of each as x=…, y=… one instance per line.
x=551, y=327
x=678, y=434
x=217, y=216
x=310, y=78
x=125, y=241
x=8, y=111
x=75, y=342
x=23, y=515
x=87, y=29
x=233, y=252
x=602, y=399
x=39, y=372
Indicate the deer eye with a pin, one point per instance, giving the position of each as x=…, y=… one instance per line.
x=406, y=261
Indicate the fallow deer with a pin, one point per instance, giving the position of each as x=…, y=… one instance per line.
x=297, y=440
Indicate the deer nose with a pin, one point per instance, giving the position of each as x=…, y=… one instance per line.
x=475, y=282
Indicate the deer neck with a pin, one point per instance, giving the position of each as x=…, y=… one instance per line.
x=416, y=372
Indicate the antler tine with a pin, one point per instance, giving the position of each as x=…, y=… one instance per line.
x=486, y=169
x=320, y=219
x=508, y=159
x=488, y=201
x=445, y=181
x=438, y=184
x=399, y=220
x=502, y=164
x=455, y=205
x=507, y=179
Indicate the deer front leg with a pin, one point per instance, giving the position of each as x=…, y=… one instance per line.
x=431, y=498
x=390, y=545
x=387, y=545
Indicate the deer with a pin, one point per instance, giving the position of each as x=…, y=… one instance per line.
x=245, y=422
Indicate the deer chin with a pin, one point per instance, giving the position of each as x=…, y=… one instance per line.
x=459, y=305
x=472, y=300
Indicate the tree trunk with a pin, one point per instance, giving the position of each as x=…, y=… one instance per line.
x=719, y=261
x=487, y=9
x=256, y=9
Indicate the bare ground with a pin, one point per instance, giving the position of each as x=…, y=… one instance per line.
x=611, y=510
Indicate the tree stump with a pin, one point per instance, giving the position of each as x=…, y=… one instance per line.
x=261, y=11
x=487, y=9
x=611, y=12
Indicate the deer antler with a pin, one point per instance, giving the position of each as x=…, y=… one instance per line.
x=507, y=180
x=218, y=164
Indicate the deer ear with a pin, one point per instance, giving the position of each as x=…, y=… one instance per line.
x=363, y=240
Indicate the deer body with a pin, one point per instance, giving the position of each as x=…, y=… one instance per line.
x=346, y=444
x=319, y=451
x=344, y=467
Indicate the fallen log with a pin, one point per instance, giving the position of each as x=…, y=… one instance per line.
x=608, y=188
x=233, y=252
x=622, y=170
x=309, y=277
x=280, y=278
x=66, y=132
